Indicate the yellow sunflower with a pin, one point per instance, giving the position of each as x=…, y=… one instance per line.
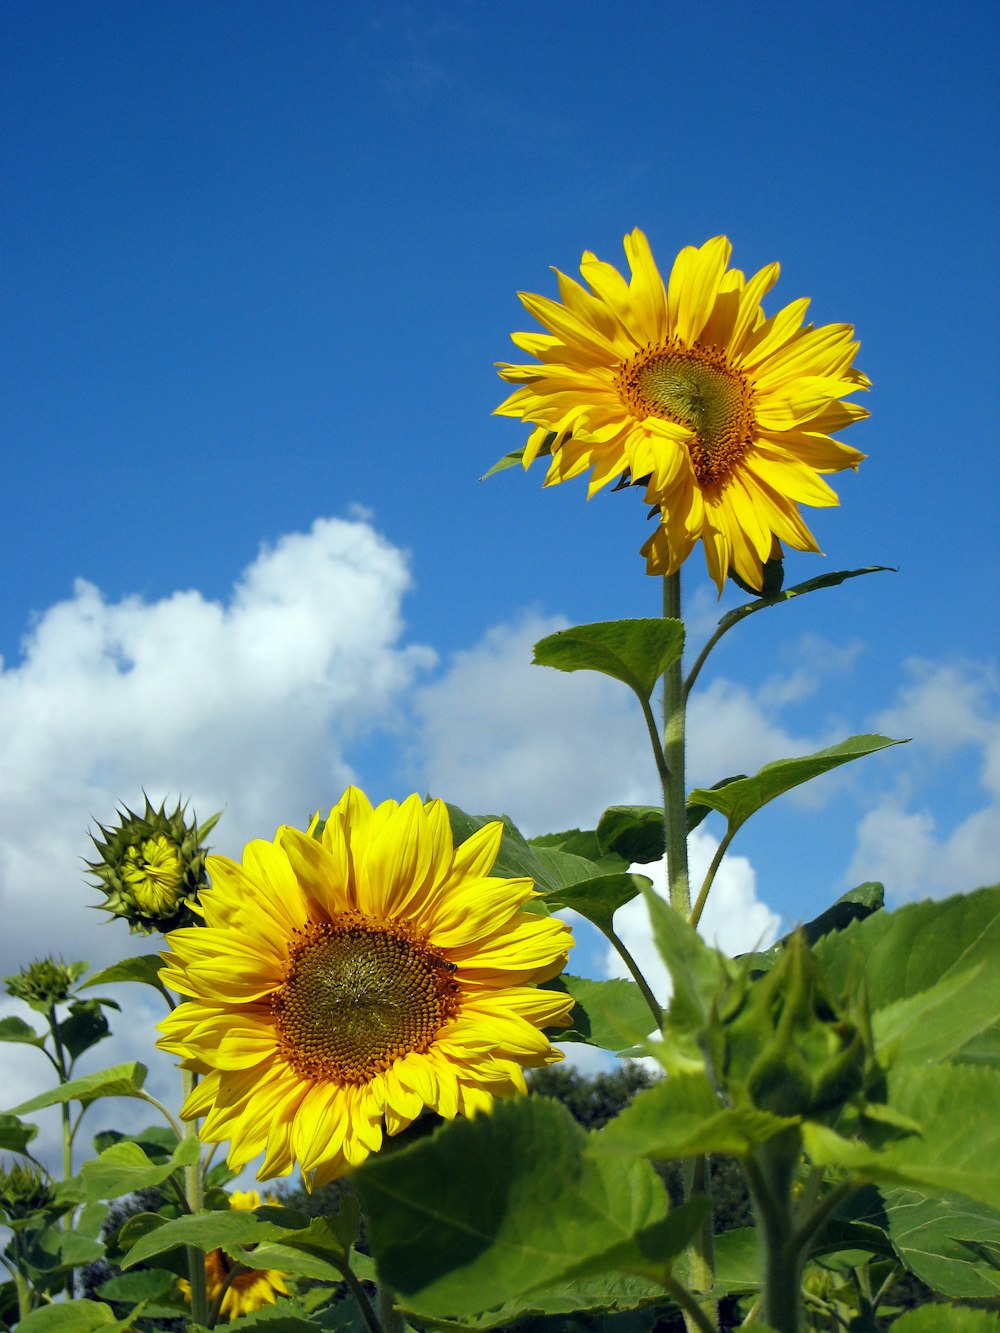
x=344, y=981
x=246, y=1289
x=722, y=413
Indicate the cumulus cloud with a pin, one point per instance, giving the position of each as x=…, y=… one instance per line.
x=735, y=919
x=952, y=712
x=247, y=705
x=551, y=749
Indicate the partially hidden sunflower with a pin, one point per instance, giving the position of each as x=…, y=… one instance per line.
x=723, y=414
x=243, y=1290
x=345, y=980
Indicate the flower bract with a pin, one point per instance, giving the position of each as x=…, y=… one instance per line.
x=725, y=415
x=345, y=979
x=243, y=1289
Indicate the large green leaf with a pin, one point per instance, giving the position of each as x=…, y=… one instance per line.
x=854, y=905
x=598, y=899
x=518, y=859
x=681, y=1116
x=78, y=1316
x=951, y=1244
x=935, y=1024
x=916, y=947
x=636, y=652
x=739, y=799
x=84, y=1026
x=946, y=1319
x=634, y=832
x=131, y=1287
x=230, y=1230
x=958, y=1150
x=124, y=1167
x=124, y=1080
x=449, y=1249
x=610, y=1014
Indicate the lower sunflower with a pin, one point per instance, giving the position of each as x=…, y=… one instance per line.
x=723, y=414
x=345, y=980
x=243, y=1290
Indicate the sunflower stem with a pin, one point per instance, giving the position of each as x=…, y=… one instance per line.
x=389, y=1317
x=194, y=1188
x=361, y=1299
x=701, y=1251
x=674, y=812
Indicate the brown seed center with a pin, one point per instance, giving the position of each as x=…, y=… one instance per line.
x=357, y=994
x=698, y=388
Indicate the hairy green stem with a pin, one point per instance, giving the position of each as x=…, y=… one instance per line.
x=710, y=874
x=361, y=1299
x=770, y=1173
x=194, y=1189
x=674, y=796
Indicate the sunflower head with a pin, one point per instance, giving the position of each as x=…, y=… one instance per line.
x=723, y=414
x=346, y=982
x=243, y=1289
x=152, y=867
x=45, y=983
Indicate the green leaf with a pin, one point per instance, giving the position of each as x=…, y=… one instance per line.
x=228, y=1230
x=128, y=1288
x=513, y=459
x=636, y=652
x=739, y=799
x=16, y=1029
x=516, y=859
x=650, y=1252
x=951, y=1244
x=799, y=590
x=598, y=899
x=935, y=1024
x=15, y=1134
x=925, y=945
x=609, y=1014
x=695, y=968
x=739, y=1262
x=450, y=1250
x=562, y=870
x=854, y=905
x=84, y=1026
x=946, y=1319
x=580, y=842
x=145, y=969
x=958, y=1150
x=284, y=1316
x=124, y=1168
x=681, y=1116
x=124, y=1080
x=79, y=1316
x=633, y=832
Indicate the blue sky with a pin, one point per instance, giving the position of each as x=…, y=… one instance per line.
x=258, y=262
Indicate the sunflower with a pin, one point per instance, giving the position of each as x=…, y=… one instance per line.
x=346, y=979
x=724, y=415
x=243, y=1290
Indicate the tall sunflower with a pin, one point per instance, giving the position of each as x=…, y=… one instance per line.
x=345, y=980
x=243, y=1290
x=723, y=414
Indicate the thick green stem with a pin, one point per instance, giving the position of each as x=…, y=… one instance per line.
x=700, y=1253
x=194, y=1188
x=770, y=1174
x=361, y=1299
x=674, y=795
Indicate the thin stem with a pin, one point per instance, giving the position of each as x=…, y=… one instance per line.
x=361, y=1300
x=654, y=738
x=694, y=1316
x=233, y=1273
x=654, y=1005
x=194, y=1188
x=674, y=807
x=702, y=658
x=710, y=874
x=174, y=1124
x=807, y=1229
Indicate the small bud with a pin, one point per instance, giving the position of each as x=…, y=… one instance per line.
x=45, y=983
x=152, y=868
x=24, y=1192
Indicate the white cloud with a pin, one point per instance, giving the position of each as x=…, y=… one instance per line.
x=734, y=921
x=951, y=711
x=549, y=748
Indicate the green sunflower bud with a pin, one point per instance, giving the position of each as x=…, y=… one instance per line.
x=45, y=983
x=25, y=1191
x=152, y=868
x=791, y=1048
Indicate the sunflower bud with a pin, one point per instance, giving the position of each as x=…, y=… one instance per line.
x=45, y=983
x=791, y=1048
x=24, y=1192
x=152, y=868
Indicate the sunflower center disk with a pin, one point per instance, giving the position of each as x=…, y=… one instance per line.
x=698, y=388
x=356, y=996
